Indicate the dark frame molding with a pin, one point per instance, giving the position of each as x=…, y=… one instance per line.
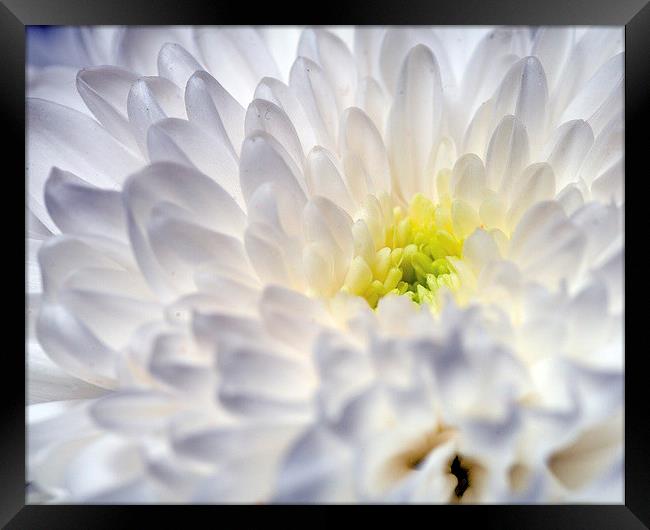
x=633, y=14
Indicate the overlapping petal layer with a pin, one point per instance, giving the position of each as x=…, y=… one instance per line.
x=216, y=216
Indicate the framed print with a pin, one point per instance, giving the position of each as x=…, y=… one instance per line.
x=380, y=262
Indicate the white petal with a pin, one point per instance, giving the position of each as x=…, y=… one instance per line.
x=183, y=142
x=72, y=141
x=266, y=255
x=415, y=119
x=315, y=94
x=176, y=64
x=606, y=150
x=602, y=225
x=182, y=246
x=468, y=179
x=570, y=198
x=105, y=91
x=138, y=46
x=151, y=99
x=35, y=229
x=567, y=148
x=492, y=57
x=210, y=205
x=588, y=321
x=601, y=98
x=292, y=317
x=611, y=275
x=386, y=470
x=599, y=406
x=217, y=332
x=441, y=159
x=502, y=278
x=507, y=154
x=536, y=184
x=139, y=490
x=493, y=211
x=371, y=98
x=266, y=116
x=237, y=57
x=331, y=53
x=263, y=160
x=594, y=47
x=218, y=445
x=364, y=155
x=77, y=207
x=256, y=373
x=316, y=469
x=599, y=44
x=100, y=42
x=478, y=131
x=58, y=46
x=71, y=419
x=610, y=184
x=318, y=266
x=323, y=177
x=173, y=364
x=396, y=45
x=325, y=221
x=479, y=249
x=608, y=487
x=589, y=456
x=275, y=227
x=212, y=107
x=367, y=46
x=59, y=256
x=272, y=205
x=48, y=469
x=552, y=47
x=256, y=406
x=464, y=218
x=112, y=318
x=284, y=97
x=101, y=467
x=227, y=294
x=524, y=94
x=57, y=84
x=135, y=412
x=48, y=382
x=249, y=480
x=547, y=244
x=208, y=202
x=534, y=221
x=73, y=347
x=282, y=42
x=127, y=283
x=364, y=245
x=365, y=415
x=345, y=33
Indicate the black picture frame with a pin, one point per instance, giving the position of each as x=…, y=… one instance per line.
x=15, y=15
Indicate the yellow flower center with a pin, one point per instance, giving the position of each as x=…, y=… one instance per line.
x=416, y=258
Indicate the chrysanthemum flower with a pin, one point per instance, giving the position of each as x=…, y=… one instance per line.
x=351, y=265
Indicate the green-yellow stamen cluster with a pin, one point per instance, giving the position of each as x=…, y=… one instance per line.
x=415, y=259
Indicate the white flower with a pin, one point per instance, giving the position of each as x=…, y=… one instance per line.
x=348, y=265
